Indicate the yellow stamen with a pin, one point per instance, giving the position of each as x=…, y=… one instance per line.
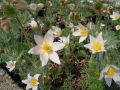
x=96, y=46
x=33, y=82
x=84, y=32
x=58, y=32
x=46, y=47
x=117, y=17
x=111, y=71
x=12, y=65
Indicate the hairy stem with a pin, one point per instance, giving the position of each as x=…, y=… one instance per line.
x=17, y=18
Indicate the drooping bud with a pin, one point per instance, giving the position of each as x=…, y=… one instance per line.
x=20, y=5
x=5, y=24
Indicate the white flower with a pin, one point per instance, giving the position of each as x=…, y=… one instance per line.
x=33, y=23
x=56, y=31
x=115, y=16
x=102, y=25
x=117, y=27
x=32, y=82
x=90, y=1
x=96, y=44
x=11, y=65
x=33, y=6
x=46, y=48
x=82, y=32
x=110, y=72
x=40, y=5
x=65, y=40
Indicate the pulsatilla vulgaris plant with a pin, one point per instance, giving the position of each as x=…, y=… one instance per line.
x=61, y=44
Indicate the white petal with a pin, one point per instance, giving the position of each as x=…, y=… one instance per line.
x=80, y=26
x=14, y=62
x=87, y=46
x=76, y=33
x=111, y=16
x=49, y=37
x=38, y=39
x=10, y=69
x=100, y=37
x=28, y=87
x=44, y=59
x=25, y=81
x=34, y=88
x=35, y=50
x=116, y=78
x=58, y=46
x=115, y=67
x=29, y=77
x=82, y=39
x=92, y=38
x=36, y=76
x=68, y=38
x=108, y=81
x=54, y=57
x=103, y=71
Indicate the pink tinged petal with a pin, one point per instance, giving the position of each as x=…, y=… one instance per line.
x=58, y=46
x=11, y=69
x=36, y=76
x=25, y=81
x=54, y=57
x=38, y=39
x=82, y=39
x=44, y=59
x=108, y=81
x=35, y=50
x=34, y=88
x=49, y=37
x=111, y=16
x=76, y=33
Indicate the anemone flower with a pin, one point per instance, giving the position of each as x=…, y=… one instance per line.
x=11, y=65
x=117, y=27
x=96, y=44
x=65, y=40
x=82, y=32
x=31, y=82
x=115, y=16
x=46, y=48
x=110, y=73
x=56, y=31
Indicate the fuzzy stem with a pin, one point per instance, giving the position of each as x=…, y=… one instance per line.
x=34, y=18
x=17, y=18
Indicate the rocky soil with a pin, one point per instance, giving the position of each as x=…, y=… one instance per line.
x=6, y=83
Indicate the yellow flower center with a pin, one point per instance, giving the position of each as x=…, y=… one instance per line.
x=84, y=32
x=12, y=65
x=117, y=17
x=58, y=32
x=33, y=82
x=46, y=47
x=111, y=71
x=97, y=46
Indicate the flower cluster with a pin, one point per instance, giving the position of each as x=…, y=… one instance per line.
x=47, y=48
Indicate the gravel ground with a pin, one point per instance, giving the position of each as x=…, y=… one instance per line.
x=6, y=83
